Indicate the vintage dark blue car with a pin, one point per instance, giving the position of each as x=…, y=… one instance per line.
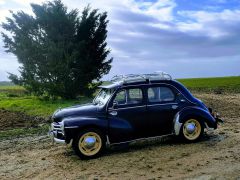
x=132, y=107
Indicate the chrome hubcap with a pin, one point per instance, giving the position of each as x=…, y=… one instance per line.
x=90, y=142
x=191, y=127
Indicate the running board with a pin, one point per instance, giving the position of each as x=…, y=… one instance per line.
x=136, y=140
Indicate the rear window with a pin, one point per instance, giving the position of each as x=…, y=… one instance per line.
x=160, y=94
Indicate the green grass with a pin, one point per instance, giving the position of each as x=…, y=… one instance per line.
x=15, y=98
x=34, y=106
x=217, y=84
x=11, y=90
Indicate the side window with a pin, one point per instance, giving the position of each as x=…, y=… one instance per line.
x=154, y=94
x=120, y=97
x=160, y=94
x=166, y=94
x=129, y=96
x=134, y=96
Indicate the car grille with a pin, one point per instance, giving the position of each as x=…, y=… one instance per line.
x=57, y=130
x=56, y=126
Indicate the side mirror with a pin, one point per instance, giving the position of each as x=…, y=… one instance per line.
x=115, y=105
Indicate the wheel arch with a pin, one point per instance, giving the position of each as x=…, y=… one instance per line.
x=75, y=125
x=193, y=112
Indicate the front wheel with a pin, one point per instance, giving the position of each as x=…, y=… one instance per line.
x=89, y=143
x=192, y=130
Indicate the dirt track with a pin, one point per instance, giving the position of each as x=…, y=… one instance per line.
x=216, y=156
x=10, y=120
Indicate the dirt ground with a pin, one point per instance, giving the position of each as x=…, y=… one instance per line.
x=10, y=120
x=216, y=156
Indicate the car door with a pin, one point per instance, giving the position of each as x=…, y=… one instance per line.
x=127, y=115
x=162, y=105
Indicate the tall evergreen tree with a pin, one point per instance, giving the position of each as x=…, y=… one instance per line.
x=60, y=52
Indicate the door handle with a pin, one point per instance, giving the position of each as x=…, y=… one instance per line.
x=174, y=106
x=113, y=113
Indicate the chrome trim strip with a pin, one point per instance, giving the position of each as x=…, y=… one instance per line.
x=140, y=139
x=54, y=125
x=110, y=109
x=162, y=104
x=130, y=107
x=177, y=124
x=57, y=128
x=71, y=127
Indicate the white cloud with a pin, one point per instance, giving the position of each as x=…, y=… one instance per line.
x=212, y=24
x=161, y=9
x=2, y=2
x=204, y=16
x=27, y=2
x=3, y=14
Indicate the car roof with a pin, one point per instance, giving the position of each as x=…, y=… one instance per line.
x=110, y=86
x=118, y=85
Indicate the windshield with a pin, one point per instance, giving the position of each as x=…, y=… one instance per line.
x=103, y=96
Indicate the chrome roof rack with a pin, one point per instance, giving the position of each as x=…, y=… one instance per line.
x=130, y=78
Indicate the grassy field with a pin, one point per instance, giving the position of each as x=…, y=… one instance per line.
x=36, y=107
x=10, y=90
x=216, y=85
x=16, y=98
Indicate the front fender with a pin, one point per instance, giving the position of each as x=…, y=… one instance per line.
x=193, y=112
x=73, y=125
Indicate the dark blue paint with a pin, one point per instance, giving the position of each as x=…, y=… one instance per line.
x=134, y=121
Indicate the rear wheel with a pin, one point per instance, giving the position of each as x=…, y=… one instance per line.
x=89, y=144
x=192, y=130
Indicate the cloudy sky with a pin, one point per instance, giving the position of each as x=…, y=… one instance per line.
x=187, y=38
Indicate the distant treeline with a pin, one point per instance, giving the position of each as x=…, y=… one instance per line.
x=6, y=83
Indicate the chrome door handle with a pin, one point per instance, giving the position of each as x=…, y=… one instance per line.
x=113, y=113
x=174, y=106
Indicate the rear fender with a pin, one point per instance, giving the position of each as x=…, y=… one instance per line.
x=193, y=112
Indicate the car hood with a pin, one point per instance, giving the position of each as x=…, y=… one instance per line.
x=78, y=110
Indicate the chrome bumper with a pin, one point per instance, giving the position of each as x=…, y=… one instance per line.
x=54, y=133
x=216, y=116
x=54, y=139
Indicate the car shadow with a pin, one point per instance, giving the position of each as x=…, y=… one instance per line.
x=208, y=139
